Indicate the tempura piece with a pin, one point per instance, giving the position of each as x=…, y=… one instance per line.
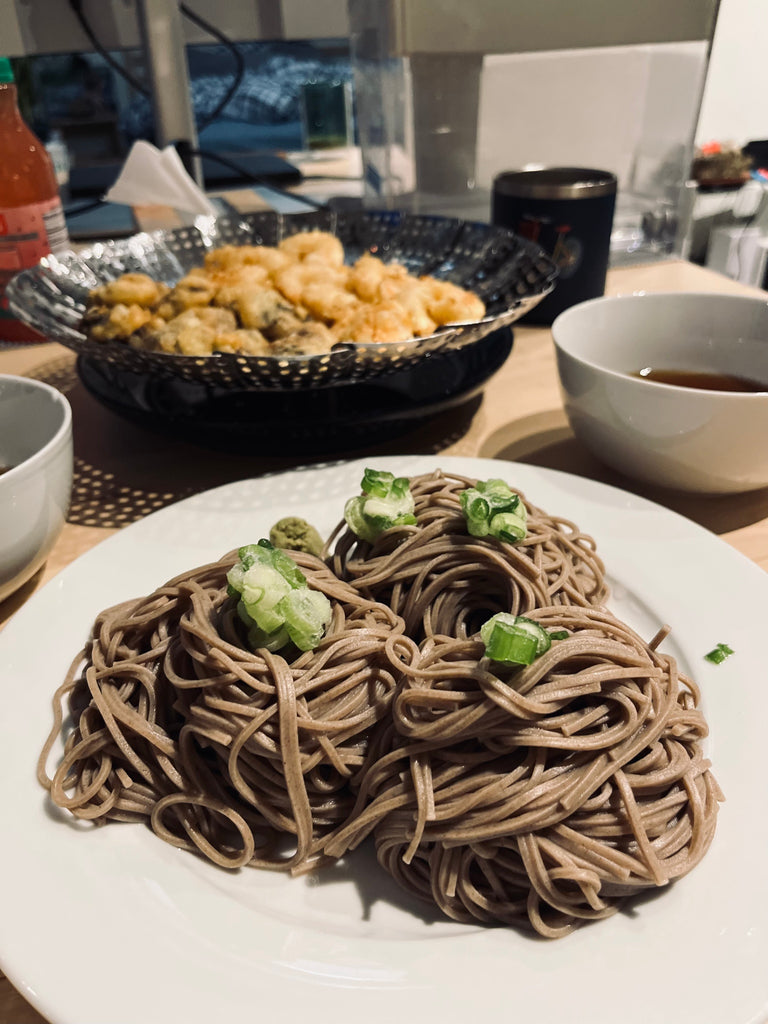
x=245, y=342
x=328, y=302
x=194, y=289
x=384, y=322
x=267, y=311
x=116, y=323
x=294, y=279
x=315, y=247
x=193, y=332
x=239, y=283
x=447, y=303
x=370, y=277
x=229, y=257
x=128, y=290
x=297, y=298
x=309, y=339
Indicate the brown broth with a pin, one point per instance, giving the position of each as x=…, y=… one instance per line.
x=701, y=379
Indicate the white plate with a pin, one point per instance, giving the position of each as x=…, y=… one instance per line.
x=113, y=926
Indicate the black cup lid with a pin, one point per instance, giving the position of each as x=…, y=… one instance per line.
x=556, y=183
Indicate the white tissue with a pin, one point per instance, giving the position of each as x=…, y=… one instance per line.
x=151, y=176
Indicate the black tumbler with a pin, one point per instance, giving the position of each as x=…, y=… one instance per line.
x=568, y=211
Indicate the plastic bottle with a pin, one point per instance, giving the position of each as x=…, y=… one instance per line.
x=32, y=221
x=59, y=154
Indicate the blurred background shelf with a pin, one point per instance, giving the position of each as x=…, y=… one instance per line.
x=443, y=97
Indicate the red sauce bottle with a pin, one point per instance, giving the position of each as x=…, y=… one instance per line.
x=32, y=221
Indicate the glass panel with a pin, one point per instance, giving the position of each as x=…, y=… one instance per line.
x=99, y=115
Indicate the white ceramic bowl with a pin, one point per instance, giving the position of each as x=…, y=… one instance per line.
x=36, y=443
x=685, y=438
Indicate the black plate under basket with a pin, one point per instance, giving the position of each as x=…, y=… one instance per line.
x=323, y=420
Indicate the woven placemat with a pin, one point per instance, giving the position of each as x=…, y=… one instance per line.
x=99, y=497
x=122, y=471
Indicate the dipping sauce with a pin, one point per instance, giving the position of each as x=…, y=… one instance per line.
x=702, y=379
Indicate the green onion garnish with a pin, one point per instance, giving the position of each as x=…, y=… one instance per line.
x=514, y=639
x=492, y=509
x=718, y=654
x=386, y=501
x=275, y=601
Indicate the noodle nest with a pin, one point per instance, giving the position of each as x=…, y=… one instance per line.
x=243, y=756
x=541, y=796
x=441, y=580
x=544, y=796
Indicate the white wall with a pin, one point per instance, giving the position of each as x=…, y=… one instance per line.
x=629, y=109
x=735, y=102
x=626, y=108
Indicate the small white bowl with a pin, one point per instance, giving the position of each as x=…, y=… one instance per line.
x=36, y=443
x=685, y=438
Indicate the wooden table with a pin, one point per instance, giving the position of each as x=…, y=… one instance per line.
x=123, y=471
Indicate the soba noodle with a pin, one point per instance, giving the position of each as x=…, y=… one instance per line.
x=542, y=796
x=442, y=580
x=233, y=753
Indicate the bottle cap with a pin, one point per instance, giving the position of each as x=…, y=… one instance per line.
x=6, y=71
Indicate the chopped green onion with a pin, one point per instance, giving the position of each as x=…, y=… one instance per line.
x=265, y=553
x=386, y=501
x=377, y=483
x=492, y=509
x=307, y=615
x=506, y=643
x=559, y=634
x=718, y=655
x=275, y=601
x=263, y=589
x=514, y=639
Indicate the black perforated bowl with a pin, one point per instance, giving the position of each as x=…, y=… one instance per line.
x=509, y=273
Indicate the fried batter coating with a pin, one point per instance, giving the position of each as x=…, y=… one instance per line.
x=372, y=279
x=314, y=247
x=239, y=283
x=129, y=290
x=267, y=311
x=377, y=282
x=193, y=332
x=294, y=279
x=116, y=323
x=298, y=298
x=383, y=322
x=247, y=342
x=229, y=257
x=309, y=339
x=193, y=290
x=448, y=303
x=329, y=302
x=410, y=296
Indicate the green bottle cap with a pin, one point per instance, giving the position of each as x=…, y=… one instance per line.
x=6, y=71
